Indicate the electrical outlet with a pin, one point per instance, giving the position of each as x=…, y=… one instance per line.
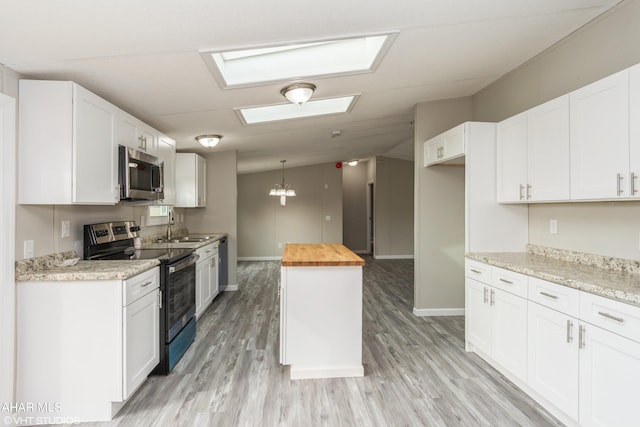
x=65, y=228
x=553, y=226
x=327, y=218
x=280, y=245
x=28, y=249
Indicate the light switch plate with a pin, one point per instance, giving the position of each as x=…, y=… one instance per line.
x=28, y=249
x=553, y=226
x=65, y=228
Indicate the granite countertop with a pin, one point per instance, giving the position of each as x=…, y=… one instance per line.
x=88, y=270
x=319, y=254
x=605, y=276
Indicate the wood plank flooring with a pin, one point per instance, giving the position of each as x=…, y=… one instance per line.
x=416, y=370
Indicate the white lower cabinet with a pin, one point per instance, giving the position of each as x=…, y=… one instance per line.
x=206, y=276
x=553, y=357
x=86, y=345
x=581, y=351
x=496, y=325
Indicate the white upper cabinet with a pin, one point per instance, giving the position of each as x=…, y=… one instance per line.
x=67, y=147
x=448, y=147
x=167, y=153
x=512, y=158
x=191, y=180
x=599, y=123
x=533, y=154
x=135, y=134
x=634, y=131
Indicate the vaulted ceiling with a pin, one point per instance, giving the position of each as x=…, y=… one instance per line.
x=143, y=56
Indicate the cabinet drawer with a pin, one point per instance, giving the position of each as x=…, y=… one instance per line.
x=140, y=285
x=614, y=316
x=208, y=251
x=478, y=271
x=509, y=281
x=552, y=295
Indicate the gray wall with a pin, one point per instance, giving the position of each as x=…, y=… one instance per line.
x=439, y=212
x=354, y=207
x=607, y=45
x=313, y=216
x=393, y=208
x=220, y=214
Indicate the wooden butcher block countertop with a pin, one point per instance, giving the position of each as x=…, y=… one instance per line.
x=319, y=254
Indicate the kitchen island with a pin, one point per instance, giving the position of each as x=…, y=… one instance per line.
x=321, y=311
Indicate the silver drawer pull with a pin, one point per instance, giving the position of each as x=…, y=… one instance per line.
x=549, y=295
x=569, y=331
x=610, y=316
x=581, y=336
x=147, y=283
x=476, y=271
x=509, y=282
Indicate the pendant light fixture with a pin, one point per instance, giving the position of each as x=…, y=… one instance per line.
x=282, y=190
x=298, y=93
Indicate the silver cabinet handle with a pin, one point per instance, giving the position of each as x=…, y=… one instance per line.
x=485, y=296
x=493, y=297
x=521, y=192
x=619, y=189
x=159, y=299
x=581, y=333
x=634, y=190
x=611, y=316
x=147, y=283
x=549, y=295
x=473, y=270
x=528, y=191
x=509, y=282
x=569, y=330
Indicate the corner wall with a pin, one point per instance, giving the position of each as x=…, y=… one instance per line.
x=439, y=215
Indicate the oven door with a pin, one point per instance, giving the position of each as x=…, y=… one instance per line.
x=180, y=295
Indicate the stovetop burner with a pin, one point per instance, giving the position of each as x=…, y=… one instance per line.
x=114, y=241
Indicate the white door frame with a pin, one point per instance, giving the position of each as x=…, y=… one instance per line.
x=7, y=247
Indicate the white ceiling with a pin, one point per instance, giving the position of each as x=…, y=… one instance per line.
x=143, y=56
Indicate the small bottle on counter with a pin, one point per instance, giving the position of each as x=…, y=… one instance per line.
x=137, y=243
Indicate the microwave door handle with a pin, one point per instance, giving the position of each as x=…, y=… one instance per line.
x=184, y=264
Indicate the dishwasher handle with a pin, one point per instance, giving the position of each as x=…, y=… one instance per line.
x=183, y=264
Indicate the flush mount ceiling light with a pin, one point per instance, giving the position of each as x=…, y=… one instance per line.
x=318, y=107
x=352, y=163
x=329, y=57
x=298, y=93
x=282, y=190
x=209, y=140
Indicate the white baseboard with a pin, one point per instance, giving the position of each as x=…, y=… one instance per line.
x=231, y=288
x=393, y=256
x=318, y=372
x=259, y=258
x=433, y=312
x=362, y=252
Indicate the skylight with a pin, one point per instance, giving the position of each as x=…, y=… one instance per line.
x=247, y=67
x=318, y=107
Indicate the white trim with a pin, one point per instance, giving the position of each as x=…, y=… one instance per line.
x=259, y=258
x=393, y=256
x=435, y=312
x=362, y=252
x=7, y=248
x=230, y=288
x=301, y=373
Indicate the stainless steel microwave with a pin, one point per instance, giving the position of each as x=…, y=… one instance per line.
x=140, y=175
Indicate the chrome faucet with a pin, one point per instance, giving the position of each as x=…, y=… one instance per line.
x=170, y=222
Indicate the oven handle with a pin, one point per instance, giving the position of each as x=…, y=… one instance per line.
x=184, y=264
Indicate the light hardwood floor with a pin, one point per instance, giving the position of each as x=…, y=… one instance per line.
x=416, y=370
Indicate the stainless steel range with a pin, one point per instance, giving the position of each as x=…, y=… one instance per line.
x=114, y=241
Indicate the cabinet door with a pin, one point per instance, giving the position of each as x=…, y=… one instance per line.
x=512, y=159
x=202, y=286
x=95, y=168
x=599, y=135
x=509, y=332
x=433, y=151
x=213, y=277
x=634, y=131
x=478, y=315
x=167, y=153
x=548, y=151
x=148, y=140
x=453, y=142
x=552, y=363
x=609, y=377
x=201, y=184
x=142, y=349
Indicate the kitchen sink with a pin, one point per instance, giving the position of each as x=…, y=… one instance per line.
x=186, y=239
